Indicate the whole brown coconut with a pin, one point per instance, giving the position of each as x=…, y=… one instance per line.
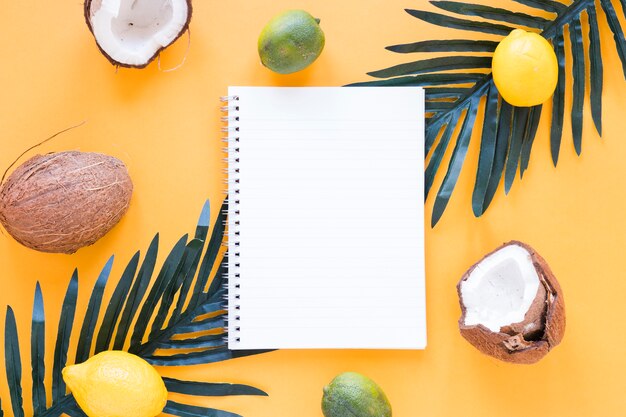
x=512, y=305
x=64, y=201
x=132, y=33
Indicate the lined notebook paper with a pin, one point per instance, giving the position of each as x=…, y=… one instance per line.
x=326, y=239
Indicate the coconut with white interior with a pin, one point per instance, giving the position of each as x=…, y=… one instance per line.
x=131, y=33
x=512, y=305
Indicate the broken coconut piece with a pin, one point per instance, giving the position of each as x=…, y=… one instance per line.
x=131, y=33
x=512, y=305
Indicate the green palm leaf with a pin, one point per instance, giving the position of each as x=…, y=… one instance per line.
x=487, y=159
x=140, y=286
x=66, y=323
x=116, y=304
x=37, y=343
x=13, y=363
x=91, y=316
x=184, y=410
x=492, y=13
x=529, y=137
x=177, y=303
x=558, y=100
x=208, y=389
x=508, y=133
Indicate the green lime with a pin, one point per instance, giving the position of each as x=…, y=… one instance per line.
x=351, y=394
x=291, y=41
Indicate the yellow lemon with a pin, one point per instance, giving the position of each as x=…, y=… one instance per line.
x=116, y=384
x=525, y=68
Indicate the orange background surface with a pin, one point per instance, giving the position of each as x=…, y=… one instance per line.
x=165, y=126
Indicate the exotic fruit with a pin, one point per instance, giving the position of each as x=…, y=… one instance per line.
x=291, y=41
x=512, y=305
x=116, y=384
x=131, y=33
x=351, y=394
x=63, y=201
x=525, y=68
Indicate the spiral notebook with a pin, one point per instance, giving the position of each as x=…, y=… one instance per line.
x=325, y=217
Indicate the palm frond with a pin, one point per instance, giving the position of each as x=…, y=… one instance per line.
x=178, y=303
x=208, y=389
x=508, y=133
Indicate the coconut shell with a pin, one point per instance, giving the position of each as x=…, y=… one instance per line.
x=533, y=324
x=91, y=6
x=64, y=201
x=540, y=331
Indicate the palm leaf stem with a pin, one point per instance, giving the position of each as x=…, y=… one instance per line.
x=547, y=5
x=478, y=90
x=163, y=335
x=566, y=18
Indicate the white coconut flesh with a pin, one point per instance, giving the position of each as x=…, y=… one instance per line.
x=500, y=290
x=133, y=31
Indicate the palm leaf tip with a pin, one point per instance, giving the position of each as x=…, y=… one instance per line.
x=520, y=120
x=596, y=68
x=210, y=389
x=578, y=69
x=66, y=322
x=91, y=315
x=616, y=28
x=38, y=352
x=156, y=293
x=486, y=157
x=492, y=13
x=434, y=65
x=456, y=162
x=558, y=100
x=546, y=5
x=503, y=137
x=183, y=410
x=137, y=292
x=203, y=222
x=114, y=309
x=451, y=45
x=529, y=137
x=461, y=24
x=13, y=363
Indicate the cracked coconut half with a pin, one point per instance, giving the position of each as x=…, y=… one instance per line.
x=512, y=305
x=131, y=33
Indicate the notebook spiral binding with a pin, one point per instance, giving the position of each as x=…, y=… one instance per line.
x=231, y=260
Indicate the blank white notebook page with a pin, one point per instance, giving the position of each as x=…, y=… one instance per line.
x=326, y=229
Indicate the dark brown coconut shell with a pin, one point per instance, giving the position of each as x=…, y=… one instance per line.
x=91, y=6
x=515, y=343
x=64, y=201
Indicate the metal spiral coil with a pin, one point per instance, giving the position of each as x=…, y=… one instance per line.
x=231, y=261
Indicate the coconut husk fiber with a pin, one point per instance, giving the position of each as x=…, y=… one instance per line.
x=541, y=330
x=61, y=202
